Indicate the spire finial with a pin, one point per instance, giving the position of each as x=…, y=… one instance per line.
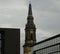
x=30, y=8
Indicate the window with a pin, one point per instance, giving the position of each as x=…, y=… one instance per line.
x=0, y=43
x=31, y=36
x=34, y=52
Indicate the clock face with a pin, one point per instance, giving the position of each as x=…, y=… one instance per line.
x=31, y=31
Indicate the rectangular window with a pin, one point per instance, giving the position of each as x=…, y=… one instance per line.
x=0, y=43
x=34, y=52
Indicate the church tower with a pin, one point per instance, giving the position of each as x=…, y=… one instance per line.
x=30, y=32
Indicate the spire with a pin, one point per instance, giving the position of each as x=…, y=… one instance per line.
x=30, y=9
x=30, y=20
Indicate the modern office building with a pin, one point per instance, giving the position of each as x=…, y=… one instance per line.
x=47, y=46
x=9, y=41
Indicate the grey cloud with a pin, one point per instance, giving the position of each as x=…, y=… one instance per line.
x=16, y=17
x=46, y=15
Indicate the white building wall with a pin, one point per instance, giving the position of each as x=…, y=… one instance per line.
x=47, y=43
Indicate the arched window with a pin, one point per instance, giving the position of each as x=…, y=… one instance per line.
x=31, y=36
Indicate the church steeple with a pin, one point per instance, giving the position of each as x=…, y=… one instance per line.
x=30, y=19
x=30, y=32
x=30, y=25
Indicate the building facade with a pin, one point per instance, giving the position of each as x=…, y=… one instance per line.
x=48, y=46
x=9, y=41
x=30, y=32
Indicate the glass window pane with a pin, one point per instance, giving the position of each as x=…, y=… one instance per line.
x=0, y=50
x=0, y=35
x=0, y=43
x=0, y=46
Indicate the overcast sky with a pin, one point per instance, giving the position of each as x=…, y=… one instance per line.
x=46, y=13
